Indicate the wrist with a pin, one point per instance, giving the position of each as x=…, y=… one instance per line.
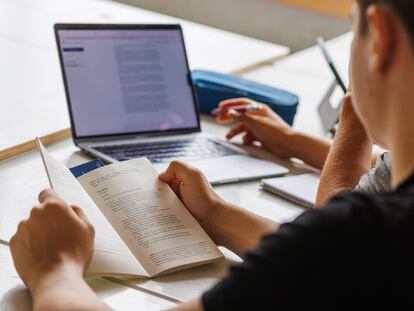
x=350, y=124
x=219, y=215
x=65, y=271
x=284, y=144
x=310, y=149
x=295, y=140
x=228, y=228
x=301, y=144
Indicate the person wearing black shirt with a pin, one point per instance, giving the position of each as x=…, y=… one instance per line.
x=355, y=250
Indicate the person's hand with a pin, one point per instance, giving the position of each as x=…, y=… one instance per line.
x=349, y=122
x=262, y=125
x=193, y=189
x=348, y=116
x=56, y=239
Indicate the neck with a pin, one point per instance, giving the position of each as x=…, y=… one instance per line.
x=402, y=162
x=401, y=135
x=399, y=123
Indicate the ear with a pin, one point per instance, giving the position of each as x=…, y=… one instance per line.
x=382, y=36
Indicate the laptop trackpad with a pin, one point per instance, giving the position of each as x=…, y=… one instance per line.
x=234, y=168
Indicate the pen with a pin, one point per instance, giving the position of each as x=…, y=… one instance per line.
x=328, y=58
x=240, y=108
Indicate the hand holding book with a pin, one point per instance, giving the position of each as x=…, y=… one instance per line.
x=142, y=227
x=70, y=239
x=193, y=188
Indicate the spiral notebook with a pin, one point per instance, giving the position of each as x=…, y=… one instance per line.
x=299, y=189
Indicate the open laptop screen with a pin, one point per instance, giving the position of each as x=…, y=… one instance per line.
x=124, y=81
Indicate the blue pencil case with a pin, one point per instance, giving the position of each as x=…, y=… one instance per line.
x=213, y=87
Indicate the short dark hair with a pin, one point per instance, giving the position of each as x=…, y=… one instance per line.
x=403, y=8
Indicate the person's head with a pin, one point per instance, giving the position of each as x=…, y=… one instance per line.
x=382, y=64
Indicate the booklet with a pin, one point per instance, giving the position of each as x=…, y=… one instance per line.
x=141, y=227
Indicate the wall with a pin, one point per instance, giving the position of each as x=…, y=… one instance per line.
x=268, y=20
x=340, y=8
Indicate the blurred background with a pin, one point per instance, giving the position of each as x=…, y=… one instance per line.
x=285, y=22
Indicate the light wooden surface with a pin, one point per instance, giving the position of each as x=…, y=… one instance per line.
x=32, y=98
x=304, y=73
x=30, y=145
x=339, y=8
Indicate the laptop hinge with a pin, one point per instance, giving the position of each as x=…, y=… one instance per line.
x=78, y=141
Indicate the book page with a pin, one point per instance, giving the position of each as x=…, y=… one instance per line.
x=111, y=256
x=149, y=217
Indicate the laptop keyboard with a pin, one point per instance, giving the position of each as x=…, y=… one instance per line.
x=165, y=151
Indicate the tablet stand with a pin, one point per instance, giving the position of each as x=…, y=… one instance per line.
x=328, y=114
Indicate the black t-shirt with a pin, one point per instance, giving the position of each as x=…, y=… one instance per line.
x=358, y=251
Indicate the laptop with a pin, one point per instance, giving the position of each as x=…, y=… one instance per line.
x=130, y=94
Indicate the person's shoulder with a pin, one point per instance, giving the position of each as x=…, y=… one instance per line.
x=350, y=209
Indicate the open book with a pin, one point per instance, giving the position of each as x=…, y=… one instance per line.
x=142, y=228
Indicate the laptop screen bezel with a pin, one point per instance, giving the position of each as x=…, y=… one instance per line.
x=71, y=26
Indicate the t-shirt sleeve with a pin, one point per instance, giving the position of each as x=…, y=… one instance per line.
x=378, y=179
x=312, y=256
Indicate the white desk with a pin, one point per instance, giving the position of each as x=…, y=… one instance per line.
x=32, y=100
x=305, y=73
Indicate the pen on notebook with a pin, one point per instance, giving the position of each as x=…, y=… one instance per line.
x=240, y=108
x=328, y=58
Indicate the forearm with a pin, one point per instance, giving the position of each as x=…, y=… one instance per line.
x=310, y=149
x=314, y=150
x=350, y=157
x=239, y=230
x=64, y=290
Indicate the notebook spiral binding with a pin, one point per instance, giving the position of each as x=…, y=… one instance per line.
x=287, y=196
